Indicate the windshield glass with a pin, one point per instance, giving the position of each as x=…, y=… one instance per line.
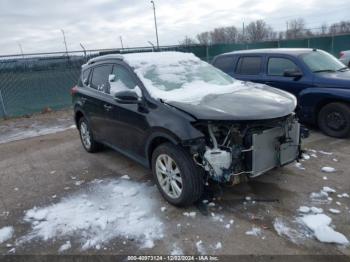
x=175, y=76
x=320, y=61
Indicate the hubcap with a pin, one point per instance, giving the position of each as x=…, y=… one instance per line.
x=85, y=135
x=169, y=176
x=335, y=120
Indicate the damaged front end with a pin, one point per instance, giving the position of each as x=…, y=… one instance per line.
x=232, y=149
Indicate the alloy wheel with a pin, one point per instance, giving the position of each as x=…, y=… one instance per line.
x=169, y=176
x=85, y=135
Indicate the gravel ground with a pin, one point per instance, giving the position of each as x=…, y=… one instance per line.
x=51, y=174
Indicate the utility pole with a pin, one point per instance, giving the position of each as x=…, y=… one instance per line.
x=121, y=41
x=243, y=33
x=84, y=50
x=64, y=41
x=155, y=22
x=21, y=49
x=151, y=45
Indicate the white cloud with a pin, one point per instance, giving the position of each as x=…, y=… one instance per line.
x=99, y=23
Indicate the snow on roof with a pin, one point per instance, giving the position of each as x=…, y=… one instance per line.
x=177, y=76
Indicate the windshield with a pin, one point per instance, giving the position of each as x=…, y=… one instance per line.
x=320, y=61
x=174, y=76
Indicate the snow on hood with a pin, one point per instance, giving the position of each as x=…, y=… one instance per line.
x=183, y=77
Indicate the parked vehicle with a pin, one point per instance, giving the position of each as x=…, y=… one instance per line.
x=185, y=119
x=345, y=57
x=319, y=81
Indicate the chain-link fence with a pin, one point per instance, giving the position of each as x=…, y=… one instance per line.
x=35, y=82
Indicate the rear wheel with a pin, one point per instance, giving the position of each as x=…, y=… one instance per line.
x=176, y=175
x=334, y=120
x=86, y=137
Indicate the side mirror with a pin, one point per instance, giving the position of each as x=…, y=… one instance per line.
x=127, y=97
x=293, y=73
x=85, y=81
x=111, y=78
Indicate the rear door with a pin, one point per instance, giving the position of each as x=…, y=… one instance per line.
x=250, y=68
x=98, y=84
x=275, y=68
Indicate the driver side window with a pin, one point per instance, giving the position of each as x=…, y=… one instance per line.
x=120, y=80
x=277, y=66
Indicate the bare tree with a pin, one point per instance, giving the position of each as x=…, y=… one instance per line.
x=258, y=31
x=204, y=38
x=324, y=29
x=218, y=36
x=296, y=28
x=340, y=28
x=187, y=41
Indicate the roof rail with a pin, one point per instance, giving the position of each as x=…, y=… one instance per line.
x=104, y=57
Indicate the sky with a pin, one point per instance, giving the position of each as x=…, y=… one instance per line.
x=36, y=25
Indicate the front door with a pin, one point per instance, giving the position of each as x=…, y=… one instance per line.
x=127, y=123
x=275, y=75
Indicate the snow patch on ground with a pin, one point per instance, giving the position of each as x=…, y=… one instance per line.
x=6, y=233
x=328, y=189
x=320, y=225
x=325, y=153
x=32, y=131
x=299, y=166
x=176, y=251
x=284, y=229
x=328, y=169
x=334, y=211
x=104, y=211
x=255, y=231
x=200, y=247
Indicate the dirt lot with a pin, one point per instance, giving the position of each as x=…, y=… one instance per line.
x=259, y=217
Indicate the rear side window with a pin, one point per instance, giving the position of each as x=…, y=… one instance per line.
x=84, y=77
x=225, y=63
x=249, y=65
x=100, y=76
x=277, y=66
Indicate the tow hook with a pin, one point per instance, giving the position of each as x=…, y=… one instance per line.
x=304, y=132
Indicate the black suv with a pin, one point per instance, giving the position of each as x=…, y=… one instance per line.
x=185, y=119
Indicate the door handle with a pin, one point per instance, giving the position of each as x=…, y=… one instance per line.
x=83, y=99
x=107, y=107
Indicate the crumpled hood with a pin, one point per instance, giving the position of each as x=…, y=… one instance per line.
x=257, y=102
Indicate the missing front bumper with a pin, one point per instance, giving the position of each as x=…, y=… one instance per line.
x=274, y=147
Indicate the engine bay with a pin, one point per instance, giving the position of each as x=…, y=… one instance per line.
x=247, y=148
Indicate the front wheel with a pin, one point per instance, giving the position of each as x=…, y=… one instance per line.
x=334, y=120
x=176, y=175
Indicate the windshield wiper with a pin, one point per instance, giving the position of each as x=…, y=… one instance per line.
x=324, y=70
x=345, y=68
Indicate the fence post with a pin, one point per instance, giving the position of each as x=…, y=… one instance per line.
x=207, y=52
x=3, y=104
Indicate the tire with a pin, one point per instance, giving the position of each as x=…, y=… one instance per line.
x=334, y=120
x=183, y=167
x=86, y=136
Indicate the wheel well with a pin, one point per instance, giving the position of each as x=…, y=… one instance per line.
x=77, y=117
x=153, y=145
x=324, y=103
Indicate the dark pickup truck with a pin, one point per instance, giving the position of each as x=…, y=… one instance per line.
x=320, y=82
